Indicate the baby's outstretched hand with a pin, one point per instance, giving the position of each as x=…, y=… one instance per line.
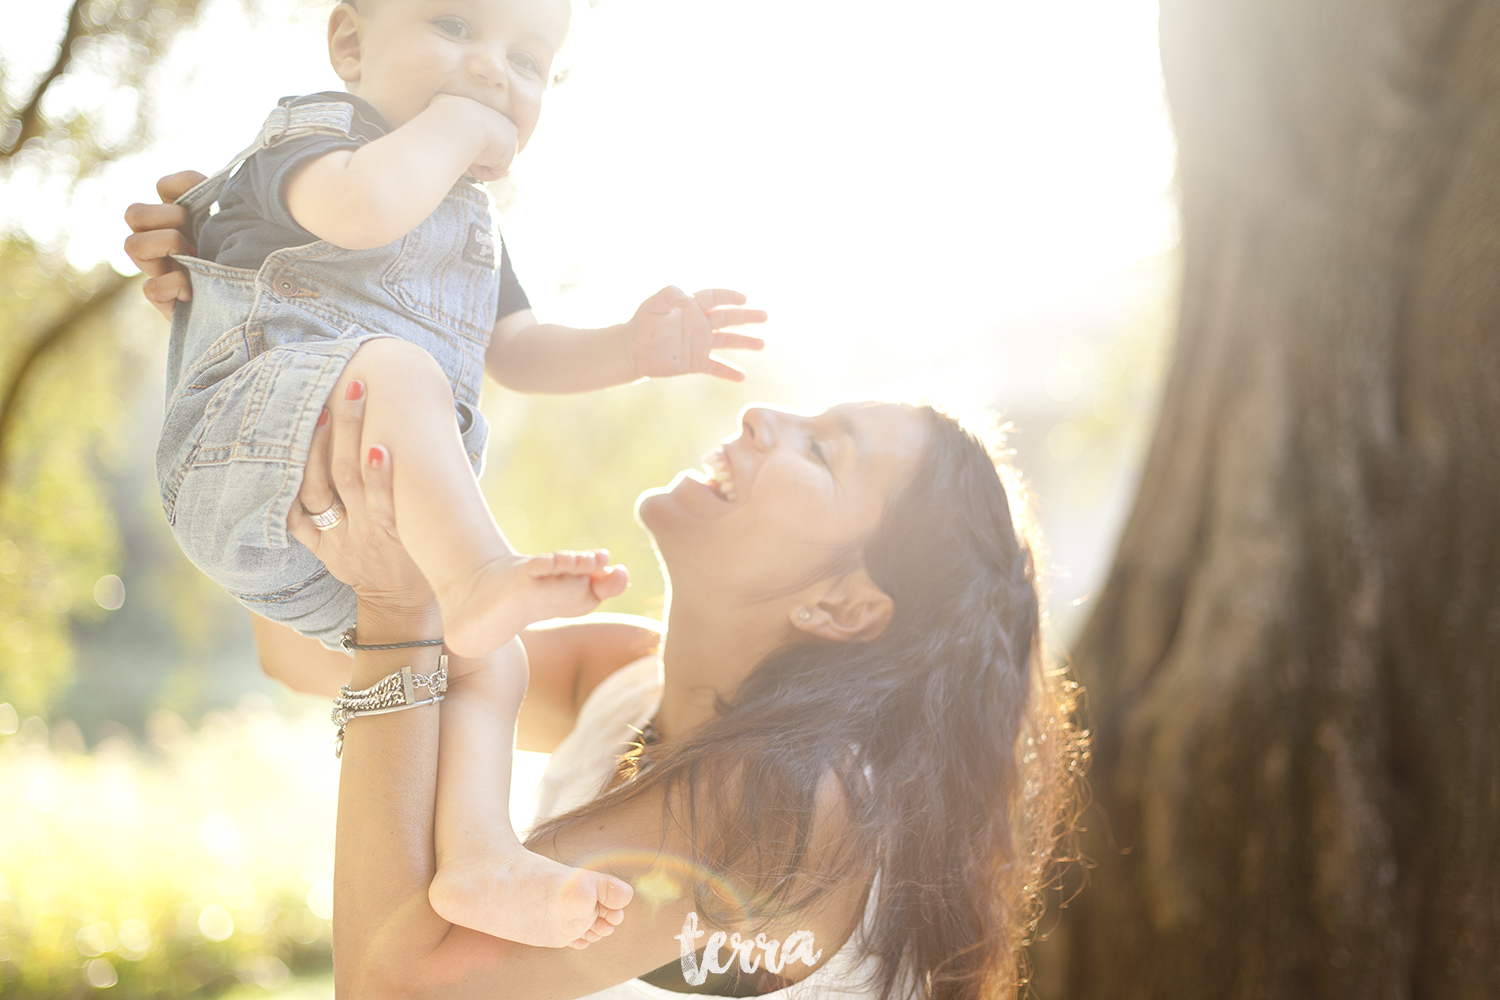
x=673, y=332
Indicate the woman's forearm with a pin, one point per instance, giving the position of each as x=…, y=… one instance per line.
x=383, y=859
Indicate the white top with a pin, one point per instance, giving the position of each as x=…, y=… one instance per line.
x=609, y=720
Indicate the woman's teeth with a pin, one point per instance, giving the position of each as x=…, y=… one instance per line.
x=720, y=479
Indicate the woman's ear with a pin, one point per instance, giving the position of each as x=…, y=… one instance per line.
x=852, y=609
x=344, y=43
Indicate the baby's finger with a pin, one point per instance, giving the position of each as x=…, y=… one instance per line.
x=735, y=317
x=738, y=342
x=724, y=370
x=710, y=297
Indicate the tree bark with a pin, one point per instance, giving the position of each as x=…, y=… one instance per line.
x=1294, y=668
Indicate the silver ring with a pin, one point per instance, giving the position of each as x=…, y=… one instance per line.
x=329, y=518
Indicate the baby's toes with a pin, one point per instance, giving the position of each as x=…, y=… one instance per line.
x=611, y=581
x=614, y=893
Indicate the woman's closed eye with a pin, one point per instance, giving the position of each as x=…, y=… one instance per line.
x=820, y=453
x=453, y=27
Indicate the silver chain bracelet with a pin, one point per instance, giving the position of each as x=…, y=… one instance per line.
x=392, y=693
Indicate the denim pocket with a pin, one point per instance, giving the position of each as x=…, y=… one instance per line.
x=222, y=358
x=447, y=273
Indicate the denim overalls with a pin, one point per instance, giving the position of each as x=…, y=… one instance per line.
x=255, y=354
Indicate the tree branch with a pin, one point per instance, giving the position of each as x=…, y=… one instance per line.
x=50, y=338
x=30, y=114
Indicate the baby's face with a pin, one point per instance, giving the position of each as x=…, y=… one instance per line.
x=496, y=52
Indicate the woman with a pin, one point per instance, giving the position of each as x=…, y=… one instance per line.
x=853, y=752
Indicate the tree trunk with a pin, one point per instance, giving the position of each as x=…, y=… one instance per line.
x=1294, y=669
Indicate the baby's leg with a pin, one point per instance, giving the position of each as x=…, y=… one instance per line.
x=485, y=878
x=488, y=591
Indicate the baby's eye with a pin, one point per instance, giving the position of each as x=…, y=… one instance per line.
x=453, y=26
x=525, y=62
x=819, y=452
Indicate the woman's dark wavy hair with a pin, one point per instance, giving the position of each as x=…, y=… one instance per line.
x=954, y=746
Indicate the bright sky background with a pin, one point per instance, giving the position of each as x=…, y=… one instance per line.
x=929, y=198
x=889, y=179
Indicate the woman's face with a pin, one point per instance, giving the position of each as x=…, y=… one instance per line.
x=783, y=505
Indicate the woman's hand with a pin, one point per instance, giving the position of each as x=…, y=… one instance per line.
x=158, y=231
x=362, y=549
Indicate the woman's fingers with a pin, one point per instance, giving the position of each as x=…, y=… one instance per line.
x=142, y=217
x=151, y=249
x=165, y=292
x=316, y=494
x=174, y=186
x=380, y=493
x=348, y=422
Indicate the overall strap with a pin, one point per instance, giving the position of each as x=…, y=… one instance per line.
x=286, y=122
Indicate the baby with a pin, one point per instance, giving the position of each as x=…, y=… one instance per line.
x=353, y=256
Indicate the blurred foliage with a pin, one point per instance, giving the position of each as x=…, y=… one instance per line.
x=1108, y=386
x=67, y=368
x=57, y=120
x=57, y=531
x=165, y=869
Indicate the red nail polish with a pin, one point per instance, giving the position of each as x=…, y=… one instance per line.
x=323, y=417
x=377, y=458
x=355, y=390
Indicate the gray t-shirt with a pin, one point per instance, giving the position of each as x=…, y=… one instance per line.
x=253, y=219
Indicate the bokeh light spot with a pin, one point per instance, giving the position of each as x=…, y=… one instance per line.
x=215, y=923
x=101, y=974
x=18, y=636
x=109, y=592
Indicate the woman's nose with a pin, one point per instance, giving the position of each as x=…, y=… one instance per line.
x=759, y=425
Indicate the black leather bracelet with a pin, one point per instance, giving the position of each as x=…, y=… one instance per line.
x=347, y=641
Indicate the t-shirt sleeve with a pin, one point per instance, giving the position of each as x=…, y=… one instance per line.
x=265, y=175
x=512, y=296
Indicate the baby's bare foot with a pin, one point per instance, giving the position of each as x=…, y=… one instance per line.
x=482, y=614
x=521, y=896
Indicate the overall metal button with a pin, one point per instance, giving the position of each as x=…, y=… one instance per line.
x=286, y=286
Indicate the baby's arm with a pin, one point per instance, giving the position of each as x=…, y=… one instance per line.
x=671, y=333
x=367, y=197
x=485, y=879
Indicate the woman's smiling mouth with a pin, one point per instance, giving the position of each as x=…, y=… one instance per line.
x=717, y=476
